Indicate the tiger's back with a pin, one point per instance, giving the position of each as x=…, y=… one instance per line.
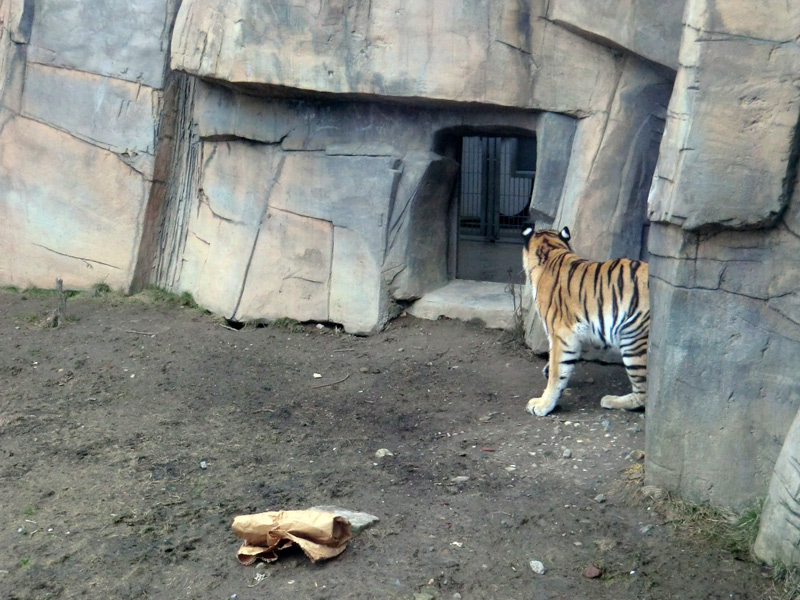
x=580, y=301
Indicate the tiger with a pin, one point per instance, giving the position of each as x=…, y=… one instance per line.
x=606, y=304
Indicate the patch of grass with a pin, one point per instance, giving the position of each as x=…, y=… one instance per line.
x=287, y=324
x=35, y=292
x=162, y=296
x=30, y=511
x=514, y=333
x=11, y=289
x=786, y=583
x=517, y=326
x=735, y=533
x=100, y=289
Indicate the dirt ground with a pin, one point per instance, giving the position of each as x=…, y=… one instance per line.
x=104, y=423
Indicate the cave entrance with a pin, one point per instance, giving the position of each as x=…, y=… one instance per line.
x=494, y=193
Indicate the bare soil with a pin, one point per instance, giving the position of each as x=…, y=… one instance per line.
x=104, y=423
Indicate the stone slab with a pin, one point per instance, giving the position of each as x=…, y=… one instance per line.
x=417, y=50
x=68, y=209
x=110, y=113
x=359, y=521
x=125, y=40
x=650, y=28
x=222, y=113
x=234, y=189
x=726, y=363
x=730, y=133
x=778, y=540
x=348, y=191
x=357, y=300
x=555, y=134
x=289, y=274
x=467, y=300
x=417, y=237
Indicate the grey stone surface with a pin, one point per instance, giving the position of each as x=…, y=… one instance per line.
x=483, y=301
x=289, y=274
x=44, y=212
x=124, y=40
x=419, y=50
x=359, y=521
x=110, y=113
x=650, y=28
x=725, y=322
x=778, y=541
x=616, y=182
x=417, y=237
x=12, y=57
x=555, y=133
x=355, y=300
x=734, y=110
x=726, y=364
x=225, y=220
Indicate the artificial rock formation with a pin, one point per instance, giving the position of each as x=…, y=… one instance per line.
x=299, y=160
x=778, y=540
x=294, y=189
x=82, y=85
x=725, y=246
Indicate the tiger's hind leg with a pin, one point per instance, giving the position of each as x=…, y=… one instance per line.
x=635, y=361
x=565, y=351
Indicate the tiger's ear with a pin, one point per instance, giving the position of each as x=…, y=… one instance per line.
x=527, y=232
x=564, y=234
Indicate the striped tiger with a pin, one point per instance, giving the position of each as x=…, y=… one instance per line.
x=606, y=304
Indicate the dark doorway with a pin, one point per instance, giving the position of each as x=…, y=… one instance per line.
x=494, y=192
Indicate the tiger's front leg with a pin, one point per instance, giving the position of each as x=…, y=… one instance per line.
x=564, y=353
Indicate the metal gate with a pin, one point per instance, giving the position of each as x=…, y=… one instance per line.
x=497, y=175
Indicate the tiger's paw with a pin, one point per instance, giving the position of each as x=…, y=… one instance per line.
x=540, y=406
x=630, y=401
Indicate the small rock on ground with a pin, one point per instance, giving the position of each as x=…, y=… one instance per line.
x=359, y=521
x=592, y=572
x=538, y=567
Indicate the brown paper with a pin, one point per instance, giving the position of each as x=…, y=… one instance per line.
x=320, y=535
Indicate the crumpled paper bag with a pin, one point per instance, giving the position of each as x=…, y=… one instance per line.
x=321, y=535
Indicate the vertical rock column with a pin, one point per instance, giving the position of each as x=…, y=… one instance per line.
x=778, y=539
x=725, y=256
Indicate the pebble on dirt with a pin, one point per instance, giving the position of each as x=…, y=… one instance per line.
x=538, y=567
x=592, y=572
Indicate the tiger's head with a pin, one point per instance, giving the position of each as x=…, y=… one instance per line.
x=541, y=243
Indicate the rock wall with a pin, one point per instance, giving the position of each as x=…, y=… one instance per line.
x=82, y=86
x=257, y=197
x=393, y=223
x=725, y=245
x=500, y=53
x=648, y=28
x=778, y=540
x=298, y=160
x=324, y=211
